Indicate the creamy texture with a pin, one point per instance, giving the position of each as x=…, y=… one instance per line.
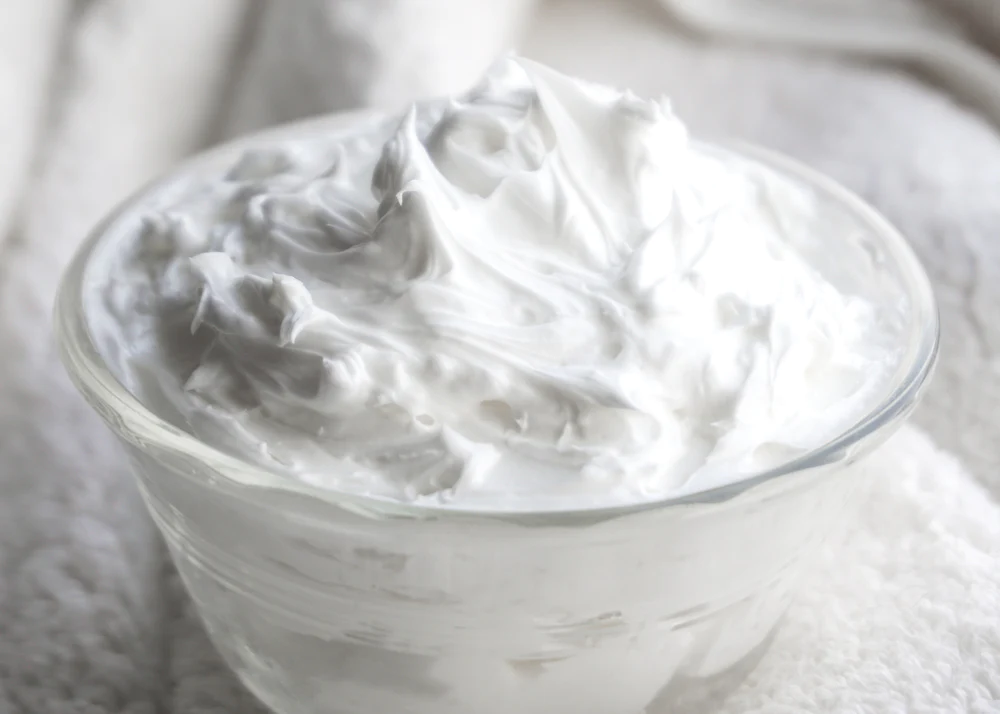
x=538, y=295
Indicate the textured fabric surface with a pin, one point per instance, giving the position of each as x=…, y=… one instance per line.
x=327, y=56
x=903, y=618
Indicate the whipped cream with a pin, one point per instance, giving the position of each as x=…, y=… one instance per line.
x=538, y=295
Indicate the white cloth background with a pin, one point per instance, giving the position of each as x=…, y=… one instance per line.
x=98, y=95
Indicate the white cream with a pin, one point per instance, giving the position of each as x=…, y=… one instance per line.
x=539, y=295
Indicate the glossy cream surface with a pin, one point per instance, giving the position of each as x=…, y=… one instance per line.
x=538, y=295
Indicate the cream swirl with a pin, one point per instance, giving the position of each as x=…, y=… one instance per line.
x=538, y=295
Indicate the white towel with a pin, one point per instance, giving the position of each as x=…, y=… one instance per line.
x=30, y=34
x=904, y=618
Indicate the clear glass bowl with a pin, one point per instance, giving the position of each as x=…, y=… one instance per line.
x=340, y=604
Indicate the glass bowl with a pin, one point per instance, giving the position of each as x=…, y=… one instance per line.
x=324, y=602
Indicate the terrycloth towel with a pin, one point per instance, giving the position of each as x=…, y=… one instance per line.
x=903, y=618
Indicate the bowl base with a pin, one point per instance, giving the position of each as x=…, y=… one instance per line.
x=686, y=695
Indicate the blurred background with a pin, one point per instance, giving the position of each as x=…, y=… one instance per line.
x=898, y=99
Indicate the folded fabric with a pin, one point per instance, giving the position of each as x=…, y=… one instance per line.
x=29, y=42
x=935, y=40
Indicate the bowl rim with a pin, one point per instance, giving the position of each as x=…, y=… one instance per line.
x=137, y=424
